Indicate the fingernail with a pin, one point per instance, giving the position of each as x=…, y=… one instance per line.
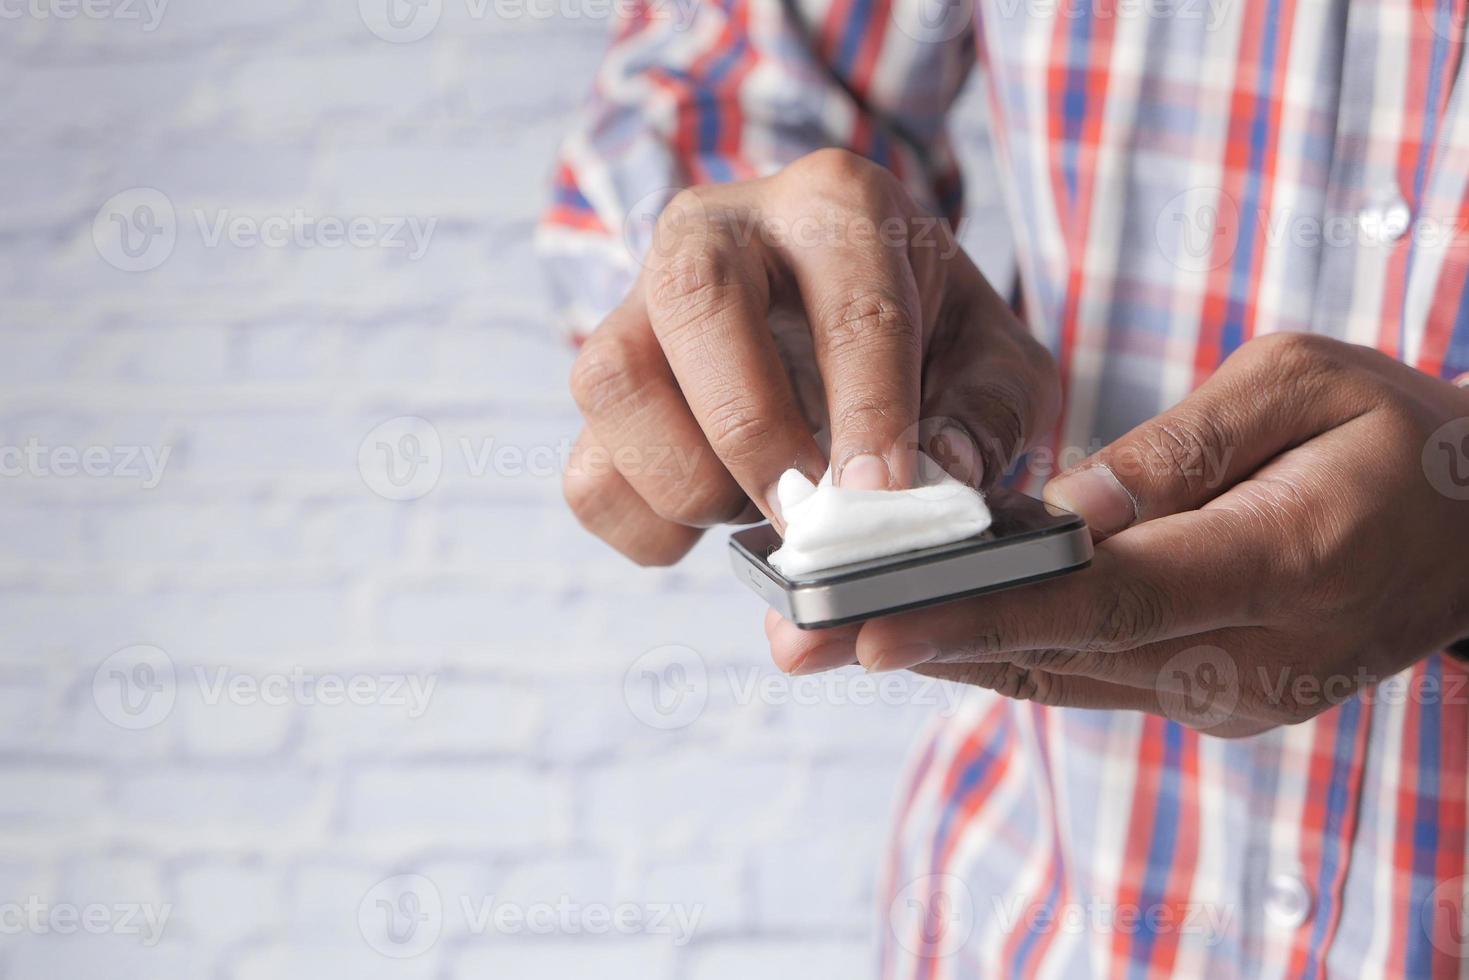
x=903, y=657
x=1097, y=495
x=865, y=472
x=772, y=506
x=828, y=656
x=956, y=452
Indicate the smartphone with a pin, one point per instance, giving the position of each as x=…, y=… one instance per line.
x=1029, y=540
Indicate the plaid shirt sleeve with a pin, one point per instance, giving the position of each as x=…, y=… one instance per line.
x=732, y=90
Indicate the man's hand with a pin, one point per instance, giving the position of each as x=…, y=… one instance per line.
x=771, y=309
x=1283, y=537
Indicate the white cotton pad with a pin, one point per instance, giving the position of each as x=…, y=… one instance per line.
x=828, y=526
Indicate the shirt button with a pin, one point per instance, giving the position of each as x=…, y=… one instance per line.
x=1385, y=223
x=1288, y=901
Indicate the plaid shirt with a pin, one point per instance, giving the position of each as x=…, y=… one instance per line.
x=1181, y=175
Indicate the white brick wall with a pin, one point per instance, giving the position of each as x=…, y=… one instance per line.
x=226, y=776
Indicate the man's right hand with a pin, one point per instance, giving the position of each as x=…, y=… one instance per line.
x=767, y=310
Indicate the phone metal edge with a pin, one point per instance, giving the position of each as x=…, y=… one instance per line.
x=817, y=605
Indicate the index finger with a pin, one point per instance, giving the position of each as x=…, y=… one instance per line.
x=857, y=282
x=867, y=326
x=708, y=302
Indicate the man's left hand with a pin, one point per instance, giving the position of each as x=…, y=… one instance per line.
x=1295, y=530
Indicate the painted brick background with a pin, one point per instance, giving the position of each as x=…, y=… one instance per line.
x=257, y=720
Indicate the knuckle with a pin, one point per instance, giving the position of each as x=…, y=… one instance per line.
x=1052, y=660
x=1287, y=709
x=1177, y=447
x=1272, y=508
x=1295, y=354
x=1130, y=613
x=586, y=495
x=686, y=200
x=837, y=167
x=737, y=428
x=983, y=642
x=1007, y=679
x=685, y=212
x=846, y=180
x=864, y=415
x=692, y=279
x=863, y=319
x=603, y=376
x=1021, y=682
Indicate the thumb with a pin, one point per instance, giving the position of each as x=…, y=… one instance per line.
x=1248, y=412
